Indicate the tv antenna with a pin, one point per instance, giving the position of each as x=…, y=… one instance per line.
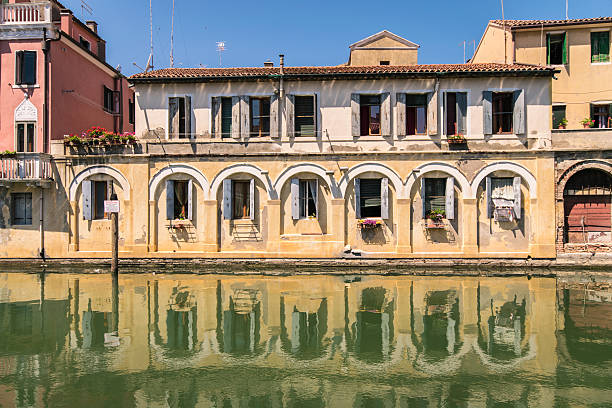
x=220, y=49
x=463, y=43
x=85, y=8
x=149, y=65
x=172, y=38
x=567, y=9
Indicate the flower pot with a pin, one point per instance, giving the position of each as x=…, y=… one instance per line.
x=434, y=224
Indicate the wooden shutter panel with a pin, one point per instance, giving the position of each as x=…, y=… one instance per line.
x=423, y=199
x=169, y=199
x=314, y=187
x=400, y=108
x=290, y=115
x=357, y=198
x=188, y=129
x=316, y=115
x=385, y=114
x=18, y=67
x=87, y=204
x=216, y=116
x=461, y=113
x=384, y=198
x=565, y=48
x=518, y=119
x=252, y=199
x=432, y=113
x=295, y=198
x=109, y=192
x=450, y=198
x=227, y=199
x=236, y=117
x=355, y=119
x=245, y=116
x=173, y=117
x=547, y=49
x=516, y=185
x=487, y=112
x=489, y=202
x=445, y=118
x=190, y=200
x=274, y=119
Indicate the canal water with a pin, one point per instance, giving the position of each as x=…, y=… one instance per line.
x=70, y=340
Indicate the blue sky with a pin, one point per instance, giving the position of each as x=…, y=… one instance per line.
x=308, y=32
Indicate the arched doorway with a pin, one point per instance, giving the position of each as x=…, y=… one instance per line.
x=587, y=201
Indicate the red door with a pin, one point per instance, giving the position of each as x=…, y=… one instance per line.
x=587, y=213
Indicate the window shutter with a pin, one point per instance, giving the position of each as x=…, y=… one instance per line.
x=565, y=48
x=29, y=72
x=169, y=199
x=604, y=47
x=245, y=116
x=518, y=119
x=295, y=198
x=355, y=122
x=384, y=198
x=27, y=203
x=516, y=184
x=400, y=108
x=190, y=200
x=316, y=115
x=487, y=110
x=314, y=188
x=252, y=199
x=236, y=117
x=274, y=122
x=357, y=198
x=227, y=199
x=109, y=192
x=547, y=49
x=489, y=202
x=173, y=115
x=385, y=114
x=450, y=198
x=18, y=67
x=423, y=199
x=290, y=115
x=432, y=113
x=87, y=207
x=445, y=118
x=461, y=113
x=216, y=116
x=188, y=129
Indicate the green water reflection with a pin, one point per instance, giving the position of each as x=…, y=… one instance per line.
x=309, y=341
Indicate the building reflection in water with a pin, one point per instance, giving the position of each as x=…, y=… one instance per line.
x=317, y=341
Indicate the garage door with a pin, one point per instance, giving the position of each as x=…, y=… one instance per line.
x=587, y=211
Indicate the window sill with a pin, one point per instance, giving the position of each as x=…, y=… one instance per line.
x=601, y=63
x=25, y=86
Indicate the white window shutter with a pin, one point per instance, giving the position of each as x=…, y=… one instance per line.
x=357, y=198
x=516, y=184
x=400, y=109
x=518, y=117
x=236, y=117
x=274, y=117
x=295, y=198
x=190, y=200
x=314, y=188
x=173, y=115
x=227, y=199
x=384, y=198
x=87, y=207
x=290, y=115
x=489, y=203
x=385, y=114
x=245, y=116
x=450, y=198
x=316, y=115
x=432, y=113
x=355, y=115
x=423, y=199
x=169, y=199
x=487, y=112
x=252, y=199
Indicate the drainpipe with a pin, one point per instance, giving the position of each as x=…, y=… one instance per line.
x=42, y=223
x=281, y=88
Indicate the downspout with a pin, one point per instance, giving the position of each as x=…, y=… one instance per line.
x=120, y=77
x=281, y=88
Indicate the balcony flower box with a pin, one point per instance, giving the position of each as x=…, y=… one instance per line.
x=369, y=223
x=435, y=219
x=456, y=140
x=8, y=153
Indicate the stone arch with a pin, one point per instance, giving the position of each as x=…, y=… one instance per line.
x=178, y=169
x=507, y=166
x=361, y=168
x=100, y=169
x=243, y=168
x=583, y=165
x=307, y=168
x=443, y=167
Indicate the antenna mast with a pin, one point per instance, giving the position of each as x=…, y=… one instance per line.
x=85, y=8
x=150, y=60
x=567, y=9
x=172, y=38
x=220, y=49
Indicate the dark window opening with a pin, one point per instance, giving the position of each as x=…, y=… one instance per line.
x=558, y=116
x=226, y=117
x=308, y=202
x=451, y=113
x=369, y=114
x=384, y=63
x=589, y=182
x=600, y=46
x=22, y=208
x=602, y=115
x=416, y=114
x=556, y=49
x=502, y=112
x=178, y=116
x=25, y=137
x=180, y=199
x=369, y=198
x=260, y=117
x=304, y=116
x=25, y=68
x=110, y=97
x=131, y=112
x=84, y=43
x=241, y=197
x=100, y=190
x=435, y=195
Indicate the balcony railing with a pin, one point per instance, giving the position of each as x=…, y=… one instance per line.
x=25, y=166
x=25, y=13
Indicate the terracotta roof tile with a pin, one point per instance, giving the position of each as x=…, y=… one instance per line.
x=337, y=71
x=547, y=23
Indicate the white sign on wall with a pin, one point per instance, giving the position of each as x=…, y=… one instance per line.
x=26, y=112
x=111, y=206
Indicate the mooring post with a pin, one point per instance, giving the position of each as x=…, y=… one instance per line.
x=114, y=239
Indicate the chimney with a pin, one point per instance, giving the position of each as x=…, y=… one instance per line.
x=93, y=26
x=268, y=64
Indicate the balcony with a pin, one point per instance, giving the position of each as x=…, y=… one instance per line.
x=26, y=20
x=32, y=168
x=581, y=139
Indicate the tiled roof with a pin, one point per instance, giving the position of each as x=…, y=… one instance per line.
x=338, y=71
x=547, y=23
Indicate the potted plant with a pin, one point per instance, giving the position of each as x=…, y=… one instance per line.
x=8, y=153
x=435, y=218
x=456, y=139
x=73, y=140
x=563, y=124
x=368, y=223
x=587, y=123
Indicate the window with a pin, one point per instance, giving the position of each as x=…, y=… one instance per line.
x=455, y=113
x=84, y=43
x=602, y=115
x=131, y=112
x=503, y=198
x=558, y=112
x=179, y=117
x=502, y=112
x=100, y=189
x=416, y=114
x=384, y=63
x=25, y=69
x=22, y=208
x=370, y=197
x=556, y=49
x=109, y=100
x=226, y=117
x=241, y=198
x=180, y=199
x=94, y=193
x=260, y=117
x=435, y=195
x=370, y=114
x=304, y=115
x=25, y=136
x=600, y=46
x=308, y=198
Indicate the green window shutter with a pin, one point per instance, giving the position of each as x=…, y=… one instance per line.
x=547, y=49
x=604, y=47
x=565, y=48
